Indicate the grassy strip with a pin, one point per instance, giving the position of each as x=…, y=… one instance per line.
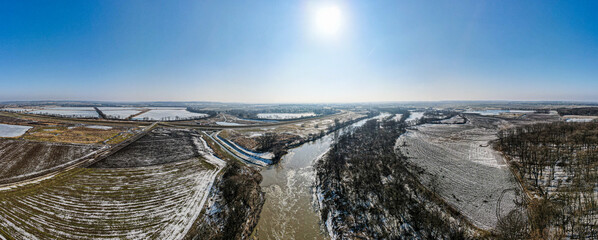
x=63, y=134
x=120, y=137
x=218, y=151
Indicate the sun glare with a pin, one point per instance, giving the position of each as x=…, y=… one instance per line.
x=327, y=20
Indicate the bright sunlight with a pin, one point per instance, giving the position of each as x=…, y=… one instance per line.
x=327, y=20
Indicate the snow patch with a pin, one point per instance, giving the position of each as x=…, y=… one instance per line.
x=7, y=130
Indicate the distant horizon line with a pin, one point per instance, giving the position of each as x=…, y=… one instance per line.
x=339, y=102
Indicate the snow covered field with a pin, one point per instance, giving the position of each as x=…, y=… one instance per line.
x=576, y=118
x=119, y=112
x=228, y=124
x=467, y=172
x=169, y=114
x=74, y=112
x=158, y=201
x=155, y=202
x=414, y=116
x=495, y=112
x=19, y=110
x=85, y=126
x=397, y=117
x=7, y=130
x=284, y=115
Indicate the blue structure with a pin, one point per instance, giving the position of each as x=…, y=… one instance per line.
x=244, y=151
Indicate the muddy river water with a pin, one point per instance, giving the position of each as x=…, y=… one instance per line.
x=289, y=212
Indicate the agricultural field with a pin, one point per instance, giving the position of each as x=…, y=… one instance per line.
x=13, y=120
x=160, y=146
x=22, y=157
x=414, y=116
x=119, y=112
x=228, y=124
x=497, y=112
x=72, y=112
x=10, y=131
x=169, y=114
x=458, y=163
x=137, y=194
x=83, y=134
x=304, y=128
x=155, y=202
x=578, y=118
x=17, y=110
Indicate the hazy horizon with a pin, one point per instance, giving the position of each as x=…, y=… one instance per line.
x=299, y=51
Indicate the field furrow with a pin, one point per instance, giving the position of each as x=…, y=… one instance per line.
x=154, y=202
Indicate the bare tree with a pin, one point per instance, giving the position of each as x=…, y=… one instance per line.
x=266, y=141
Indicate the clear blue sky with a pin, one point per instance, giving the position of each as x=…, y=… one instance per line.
x=270, y=51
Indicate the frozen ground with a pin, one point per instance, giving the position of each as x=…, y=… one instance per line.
x=7, y=130
x=99, y=127
x=168, y=114
x=120, y=108
x=460, y=165
x=156, y=202
x=89, y=126
x=397, y=117
x=284, y=115
x=160, y=146
x=17, y=109
x=414, y=116
x=576, y=118
x=22, y=157
x=119, y=114
x=579, y=120
x=228, y=124
x=454, y=120
x=314, y=126
x=494, y=112
x=76, y=112
x=159, y=201
x=70, y=108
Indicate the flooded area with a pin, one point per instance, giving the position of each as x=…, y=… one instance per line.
x=289, y=212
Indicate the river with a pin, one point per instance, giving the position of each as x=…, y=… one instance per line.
x=288, y=212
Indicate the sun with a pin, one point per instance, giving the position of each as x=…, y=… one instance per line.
x=327, y=20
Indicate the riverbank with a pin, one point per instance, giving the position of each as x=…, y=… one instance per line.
x=235, y=200
x=289, y=211
x=234, y=205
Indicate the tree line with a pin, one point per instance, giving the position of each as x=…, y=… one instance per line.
x=585, y=111
x=558, y=163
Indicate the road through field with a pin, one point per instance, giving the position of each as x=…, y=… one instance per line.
x=81, y=162
x=157, y=201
